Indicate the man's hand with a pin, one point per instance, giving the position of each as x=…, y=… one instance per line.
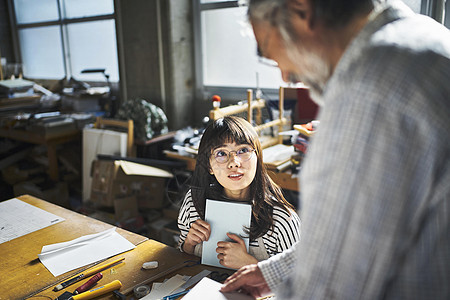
x=198, y=233
x=248, y=279
x=234, y=254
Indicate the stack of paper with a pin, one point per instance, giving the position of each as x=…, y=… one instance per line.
x=174, y=285
x=168, y=287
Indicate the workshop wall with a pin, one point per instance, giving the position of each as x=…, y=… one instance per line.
x=156, y=55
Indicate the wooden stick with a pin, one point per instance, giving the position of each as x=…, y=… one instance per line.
x=281, y=110
x=1, y=67
x=249, y=105
x=234, y=109
x=271, y=124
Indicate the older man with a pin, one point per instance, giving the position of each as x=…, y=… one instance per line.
x=376, y=179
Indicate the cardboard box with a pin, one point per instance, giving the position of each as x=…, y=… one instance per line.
x=119, y=179
x=157, y=231
x=126, y=208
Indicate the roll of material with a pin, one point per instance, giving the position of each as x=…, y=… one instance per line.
x=141, y=291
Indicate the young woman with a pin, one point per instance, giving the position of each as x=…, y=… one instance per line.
x=230, y=167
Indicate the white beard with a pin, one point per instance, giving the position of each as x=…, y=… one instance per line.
x=314, y=70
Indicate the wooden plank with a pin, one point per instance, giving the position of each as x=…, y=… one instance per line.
x=285, y=180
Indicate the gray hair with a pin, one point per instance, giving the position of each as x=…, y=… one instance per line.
x=273, y=11
x=332, y=13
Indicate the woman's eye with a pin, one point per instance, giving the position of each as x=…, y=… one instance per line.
x=243, y=150
x=221, y=153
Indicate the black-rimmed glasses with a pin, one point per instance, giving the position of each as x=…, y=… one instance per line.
x=223, y=156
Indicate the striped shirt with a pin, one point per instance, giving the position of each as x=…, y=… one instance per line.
x=285, y=232
x=376, y=179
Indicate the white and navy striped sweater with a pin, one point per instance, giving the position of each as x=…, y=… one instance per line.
x=285, y=232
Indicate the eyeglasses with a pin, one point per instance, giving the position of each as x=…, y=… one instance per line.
x=223, y=156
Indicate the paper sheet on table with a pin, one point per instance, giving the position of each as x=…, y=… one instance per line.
x=210, y=289
x=166, y=288
x=63, y=257
x=224, y=217
x=18, y=218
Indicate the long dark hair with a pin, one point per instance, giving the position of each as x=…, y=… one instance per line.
x=263, y=191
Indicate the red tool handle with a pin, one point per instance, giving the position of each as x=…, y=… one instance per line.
x=90, y=283
x=95, y=292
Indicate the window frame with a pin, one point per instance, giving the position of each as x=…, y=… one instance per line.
x=435, y=9
x=205, y=92
x=62, y=23
x=431, y=8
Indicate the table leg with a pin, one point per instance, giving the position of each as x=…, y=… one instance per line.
x=52, y=162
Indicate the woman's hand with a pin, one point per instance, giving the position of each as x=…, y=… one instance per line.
x=234, y=254
x=198, y=233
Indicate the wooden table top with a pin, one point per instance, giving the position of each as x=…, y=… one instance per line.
x=23, y=275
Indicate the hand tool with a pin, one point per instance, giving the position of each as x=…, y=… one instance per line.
x=85, y=274
x=86, y=286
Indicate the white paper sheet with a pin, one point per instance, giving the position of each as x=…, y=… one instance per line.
x=278, y=152
x=224, y=217
x=63, y=257
x=166, y=288
x=210, y=289
x=18, y=218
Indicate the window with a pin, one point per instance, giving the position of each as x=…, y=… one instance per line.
x=436, y=9
x=415, y=5
x=447, y=15
x=225, y=49
x=60, y=38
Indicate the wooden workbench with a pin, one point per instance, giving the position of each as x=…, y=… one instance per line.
x=48, y=140
x=24, y=276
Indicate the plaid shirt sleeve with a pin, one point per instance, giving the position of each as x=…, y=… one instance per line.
x=278, y=268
